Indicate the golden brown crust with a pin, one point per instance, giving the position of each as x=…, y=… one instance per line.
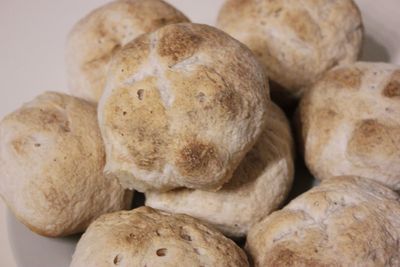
x=202, y=105
x=98, y=36
x=297, y=41
x=51, y=166
x=393, y=88
x=350, y=123
x=147, y=237
x=346, y=221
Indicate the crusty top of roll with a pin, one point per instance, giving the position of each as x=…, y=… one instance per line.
x=182, y=107
x=51, y=166
x=147, y=237
x=99, y=35
x=297, y=41
x=346, y=221
x=350, y=123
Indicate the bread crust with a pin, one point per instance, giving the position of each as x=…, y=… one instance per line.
x=346, y=221
x=147, y=237
x=259, y=185
x=103, y=32
x=51, y=166
x=182, y=107
x=297, y=41
x=350, y=123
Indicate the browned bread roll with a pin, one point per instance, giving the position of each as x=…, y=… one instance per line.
x=147, y=237
x=183, y=106
x=98, y=36
x=350, y=123
x=51, y=166
x=297, y=41
x=346, y=221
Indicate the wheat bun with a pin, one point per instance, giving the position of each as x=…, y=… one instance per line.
x=346, y=221
x=297, y=41
x=259, y=185
x=51, y=163
x=98, y=36
x=147, y=237
x=182, y=107
x=350, y=123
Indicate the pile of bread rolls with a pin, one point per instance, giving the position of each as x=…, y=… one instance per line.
x=182, y=112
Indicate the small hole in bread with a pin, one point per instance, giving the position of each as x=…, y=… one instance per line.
x=161, y=252
x=117, y=259
x=37, y=145
x=140, y=93
x=186, y=237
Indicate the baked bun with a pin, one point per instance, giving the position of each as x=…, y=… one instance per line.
x=98, y=36
x=182, y=107
x=297, y=41
x=346, y=221
x=51, y=166
x=350, y=123
x=147, y=237
x=259, y=185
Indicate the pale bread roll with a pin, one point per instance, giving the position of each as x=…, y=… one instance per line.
x=51, y=166
x=297, y=41
x=259, y=185
x=346, y=221
x=182, y=107
x=147, y=237
x=350, y=123
x=99, y=35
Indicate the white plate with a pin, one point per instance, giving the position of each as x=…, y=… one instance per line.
x=42, y=27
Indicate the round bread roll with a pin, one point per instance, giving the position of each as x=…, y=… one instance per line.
x=51, y=166
x=259, y=185
x=182, y=107
x=98, y=36
x=297, y=41
x=147, y=237
x=350, y=123
x=346, y=221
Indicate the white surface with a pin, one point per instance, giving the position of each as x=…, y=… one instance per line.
x=32, y=61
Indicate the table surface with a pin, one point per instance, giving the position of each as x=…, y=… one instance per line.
x=32, y=51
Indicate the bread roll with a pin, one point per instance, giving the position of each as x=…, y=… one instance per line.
x=259, y=185
x=147, y=237
x=99, y=35
x=346, y=221
x=51, y=166
x=297, y=41
x=350, y=123
x=182, y=108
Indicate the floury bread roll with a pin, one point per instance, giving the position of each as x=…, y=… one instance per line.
x=51, y=166
x=259, y=185
x=182, y=108
x=350, y=123
x=97, y=37
x=147, y=237
x=346, y=221
x=296, y=40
